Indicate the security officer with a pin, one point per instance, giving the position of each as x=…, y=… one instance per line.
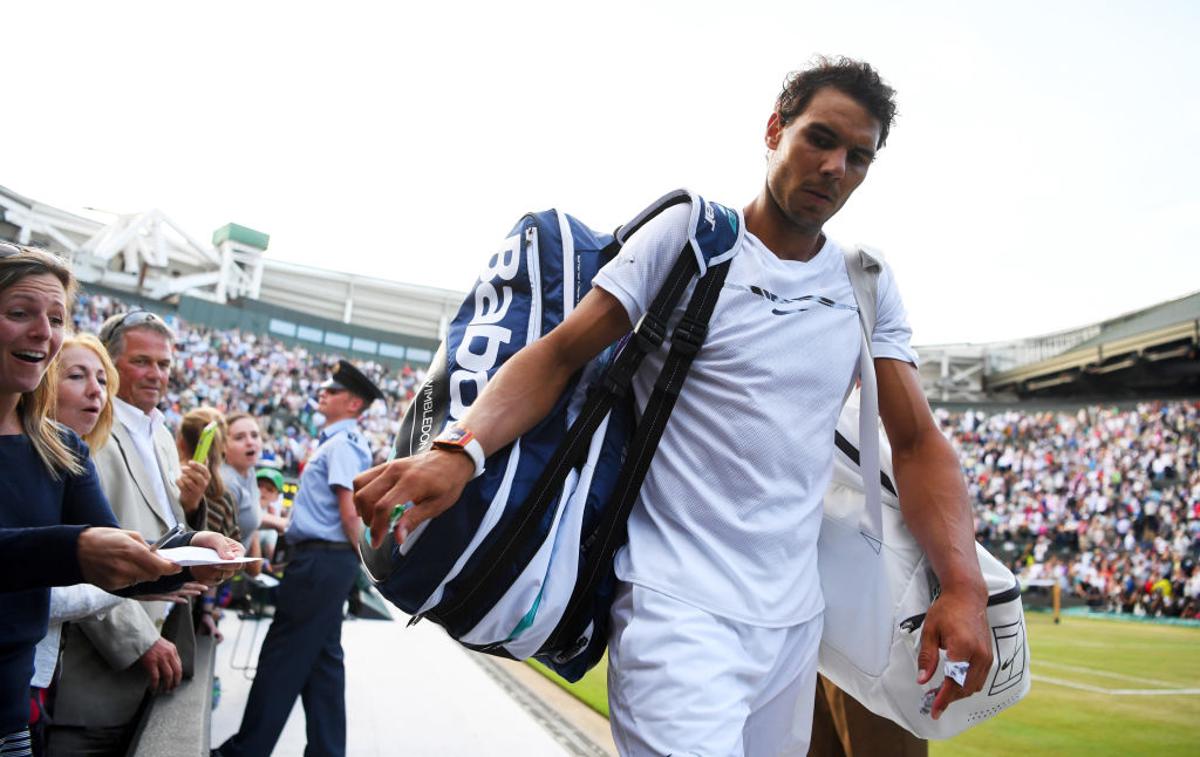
x=302, y=654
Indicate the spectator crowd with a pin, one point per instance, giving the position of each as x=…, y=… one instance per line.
x=1103, y=501
x=249, y=373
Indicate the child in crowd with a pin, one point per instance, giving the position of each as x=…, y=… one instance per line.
x=270, y=499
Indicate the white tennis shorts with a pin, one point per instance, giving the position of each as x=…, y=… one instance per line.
x=684, y=682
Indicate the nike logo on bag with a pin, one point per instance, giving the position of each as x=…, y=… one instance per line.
x=1004, y=665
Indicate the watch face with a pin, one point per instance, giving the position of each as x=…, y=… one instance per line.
x=455, y=435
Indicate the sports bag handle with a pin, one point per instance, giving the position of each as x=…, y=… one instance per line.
x=863, y=269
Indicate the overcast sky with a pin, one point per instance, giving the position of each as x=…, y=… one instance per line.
x=1042, y=174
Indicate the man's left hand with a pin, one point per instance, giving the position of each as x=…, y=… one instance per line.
x=192, y=482
x=957, y=623
x=226, y=548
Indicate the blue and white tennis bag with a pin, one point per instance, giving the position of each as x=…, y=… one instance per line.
x=522, y=565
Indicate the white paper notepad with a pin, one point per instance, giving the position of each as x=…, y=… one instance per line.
x=194, y=556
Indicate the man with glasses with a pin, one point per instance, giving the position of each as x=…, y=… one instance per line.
x=302, y=654
x=109, y=664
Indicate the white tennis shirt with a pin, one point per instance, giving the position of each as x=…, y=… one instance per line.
x=728, y=516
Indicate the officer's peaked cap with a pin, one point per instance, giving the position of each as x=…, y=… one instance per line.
x=346, y=376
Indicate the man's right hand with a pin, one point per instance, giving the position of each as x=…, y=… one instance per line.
x=193, y=481
x=113, y=559
x=162, y=662
x=432, y=481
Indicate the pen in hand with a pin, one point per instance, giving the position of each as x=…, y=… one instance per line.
x=176, y=530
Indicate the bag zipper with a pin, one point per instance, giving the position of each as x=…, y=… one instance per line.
x=909, y=625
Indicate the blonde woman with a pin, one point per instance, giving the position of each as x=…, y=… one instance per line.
x=50, y=499
x=86, y=384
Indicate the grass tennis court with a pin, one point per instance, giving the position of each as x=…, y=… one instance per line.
x=1099, y=688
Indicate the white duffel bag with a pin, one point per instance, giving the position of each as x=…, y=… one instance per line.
x=885, y=682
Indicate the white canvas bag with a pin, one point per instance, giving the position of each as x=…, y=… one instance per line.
x=858, y=600
x=877, y=582
x=893, y=693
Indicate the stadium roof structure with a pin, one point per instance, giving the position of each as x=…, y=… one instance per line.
x=1154, y=350
x=149, y=255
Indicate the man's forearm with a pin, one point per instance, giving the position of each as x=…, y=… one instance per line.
x=933, y=496
x=933, y=500
x=520, y=394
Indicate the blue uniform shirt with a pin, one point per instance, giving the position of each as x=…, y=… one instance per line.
x=341, y=455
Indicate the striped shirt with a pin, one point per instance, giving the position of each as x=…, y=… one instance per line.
x=16, y=744
x=223, y=516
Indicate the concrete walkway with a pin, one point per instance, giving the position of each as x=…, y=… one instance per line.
x=414, y=691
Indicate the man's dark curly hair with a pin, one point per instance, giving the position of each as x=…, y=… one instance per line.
x=853, y=77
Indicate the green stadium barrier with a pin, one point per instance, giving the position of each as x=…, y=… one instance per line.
x=1084, y=612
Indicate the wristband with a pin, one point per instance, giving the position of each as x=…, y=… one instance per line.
x=458, y=438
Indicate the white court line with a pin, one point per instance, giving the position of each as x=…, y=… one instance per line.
x=1103, y=673
x=1113, y=692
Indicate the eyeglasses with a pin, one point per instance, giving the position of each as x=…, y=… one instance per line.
x=128, y=321
x=35, y=255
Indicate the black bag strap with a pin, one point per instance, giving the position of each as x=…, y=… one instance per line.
x=851, y=452
x=649, y=332
x=646, y=337
x=600, y=547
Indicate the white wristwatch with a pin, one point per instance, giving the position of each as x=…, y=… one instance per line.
x=458, y=438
